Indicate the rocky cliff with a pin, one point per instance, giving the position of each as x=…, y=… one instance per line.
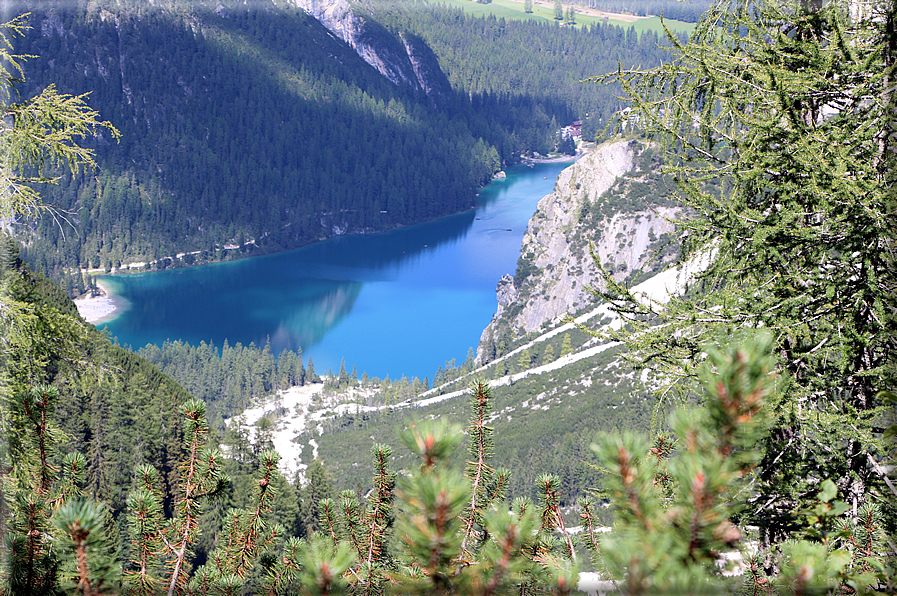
x=403, y=59
x=613, y=197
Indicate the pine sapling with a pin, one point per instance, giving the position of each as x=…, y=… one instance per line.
x=88, y=566
x=145, y=517
x=201, y=478
x=281, y=571
x=39, y=490
x=379, y=513
x=364, y=528
x=487, y=485
x=503, y=562
x=551, y=516
x=246, y=531
x=71, y=478
x=431, y=501
x=351, y=527
x=322, y=566
x=673, y=508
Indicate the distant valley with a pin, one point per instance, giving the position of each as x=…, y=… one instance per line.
x=554, y=384
x=270, y=129
x=257, y=130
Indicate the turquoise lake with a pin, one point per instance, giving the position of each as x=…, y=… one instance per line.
x=398, y=303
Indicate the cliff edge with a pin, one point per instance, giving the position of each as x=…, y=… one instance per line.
x=613, y=197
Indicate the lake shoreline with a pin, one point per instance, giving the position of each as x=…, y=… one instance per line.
x=399, y=303
x=141, y=266
x=101, y=308
x=107, y=305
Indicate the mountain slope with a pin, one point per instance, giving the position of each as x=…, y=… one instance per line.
x=252, y=127
x=611, y=202
x=554, y=387
x=115, y=408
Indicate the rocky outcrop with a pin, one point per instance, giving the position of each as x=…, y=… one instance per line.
x=404, y=59
x=556, y=268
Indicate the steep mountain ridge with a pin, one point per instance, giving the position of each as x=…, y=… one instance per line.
x=598, y=204
x=404, y=59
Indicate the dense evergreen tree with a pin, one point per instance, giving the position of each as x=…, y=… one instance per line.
x=567, y=145
x=118, y=410
x=675, y=498
x=791, y=107
x=454, y=534
x=482, y=56
x=315, y=488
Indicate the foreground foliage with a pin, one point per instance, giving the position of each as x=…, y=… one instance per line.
x=440, y=530
x=790, y=108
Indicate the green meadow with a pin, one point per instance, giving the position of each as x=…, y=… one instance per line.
x=544, y=10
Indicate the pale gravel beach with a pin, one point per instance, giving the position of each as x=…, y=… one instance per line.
x=99, y=309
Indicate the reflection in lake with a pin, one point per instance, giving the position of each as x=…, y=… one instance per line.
x=401, y=302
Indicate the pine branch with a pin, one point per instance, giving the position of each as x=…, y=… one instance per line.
x=477, y=471
x=201, y=478
x=551, y=516
x=83, y=539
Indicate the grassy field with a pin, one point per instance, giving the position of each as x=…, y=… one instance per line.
x=544, y=10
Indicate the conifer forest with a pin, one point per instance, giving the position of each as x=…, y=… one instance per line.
x=736, y=437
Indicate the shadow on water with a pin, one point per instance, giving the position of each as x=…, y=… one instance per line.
x=290, y=299
x=403, y=301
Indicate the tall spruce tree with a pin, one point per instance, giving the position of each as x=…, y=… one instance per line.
x=788, y=109
x=317, y=488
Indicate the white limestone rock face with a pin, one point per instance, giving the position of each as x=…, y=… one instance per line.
x=555, y=243
x=405, y=61
x=506, y=293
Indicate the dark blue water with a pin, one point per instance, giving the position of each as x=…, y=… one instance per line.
x=399, y=303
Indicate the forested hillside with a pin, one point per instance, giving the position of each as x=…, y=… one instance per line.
x=117, y=410
x=240, y=125
x=256, y=129
x=494, y=59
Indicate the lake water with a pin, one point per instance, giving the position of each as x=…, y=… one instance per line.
x=398, y=303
